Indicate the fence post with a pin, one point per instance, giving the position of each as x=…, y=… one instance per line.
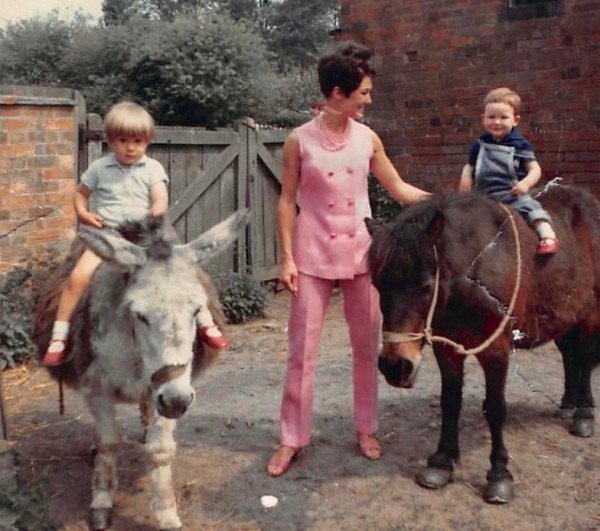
x=243, y=200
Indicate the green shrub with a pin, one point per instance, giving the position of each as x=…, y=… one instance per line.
x=28, y=505
x=18, y=296
x=384, y=208
x=242, y=297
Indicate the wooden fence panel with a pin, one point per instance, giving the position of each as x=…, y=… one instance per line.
x=265, y=188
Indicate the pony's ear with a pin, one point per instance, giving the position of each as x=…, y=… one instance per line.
x=435, y=226
x=112, y=247
x=218, y=238
x=373, y=225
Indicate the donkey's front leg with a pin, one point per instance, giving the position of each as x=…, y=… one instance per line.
x=499, y=485
x=106, y=440
x=160, y=451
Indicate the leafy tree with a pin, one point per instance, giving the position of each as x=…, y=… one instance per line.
x=298, y=30
x=116, y=12
x=202, y=71
x=191, y=62
x=31, y=50
x=97, y=62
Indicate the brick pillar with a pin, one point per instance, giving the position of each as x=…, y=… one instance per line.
x=38, y=171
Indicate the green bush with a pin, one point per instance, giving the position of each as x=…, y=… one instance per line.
x=384, y=208
x=242, y=297
x=18, y=296
x=28, y=505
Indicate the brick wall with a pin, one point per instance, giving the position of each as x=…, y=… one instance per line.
x=38, y=168
x=437, y=60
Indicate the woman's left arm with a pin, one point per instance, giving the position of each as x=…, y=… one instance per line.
x=386, y=174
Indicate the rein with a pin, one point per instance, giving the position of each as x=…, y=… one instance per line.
x=406, y=337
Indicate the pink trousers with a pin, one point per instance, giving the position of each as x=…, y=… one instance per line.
x=305, y=327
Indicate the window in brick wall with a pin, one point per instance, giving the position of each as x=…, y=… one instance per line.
x=528, y=9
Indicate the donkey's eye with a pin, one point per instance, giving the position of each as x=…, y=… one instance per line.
x=141, y=318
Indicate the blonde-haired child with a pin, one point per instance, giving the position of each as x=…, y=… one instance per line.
x=124, y=185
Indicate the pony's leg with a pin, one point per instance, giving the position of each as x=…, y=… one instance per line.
x=106, y=440
x=495, y=368
x=160, y=451
x=579, y=355
x=441, y=464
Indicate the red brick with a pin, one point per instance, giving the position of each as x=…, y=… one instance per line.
x=437, y=60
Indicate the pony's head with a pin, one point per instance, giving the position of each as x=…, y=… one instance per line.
x=403, y=265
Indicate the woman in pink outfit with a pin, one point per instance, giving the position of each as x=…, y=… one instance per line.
x=327, y=161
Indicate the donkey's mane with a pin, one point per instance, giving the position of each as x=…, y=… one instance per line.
x=153, y=233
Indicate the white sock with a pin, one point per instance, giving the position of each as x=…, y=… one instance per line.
x=203, y=319
x=545, y=230
x=60, y=330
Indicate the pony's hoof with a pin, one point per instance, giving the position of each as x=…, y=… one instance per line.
x=498, y=492
x=582, y=427
x=171, y=529
x=100, y=519
x=434, y=478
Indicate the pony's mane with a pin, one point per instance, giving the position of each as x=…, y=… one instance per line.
x=405, y=241
x=155, y=234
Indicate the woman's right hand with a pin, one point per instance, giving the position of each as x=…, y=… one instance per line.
x=288, y=276
x=94, y=220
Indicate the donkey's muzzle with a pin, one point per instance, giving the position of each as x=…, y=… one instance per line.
x=173, y=407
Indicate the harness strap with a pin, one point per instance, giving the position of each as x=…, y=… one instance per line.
x=407, y=337
x=166, y=374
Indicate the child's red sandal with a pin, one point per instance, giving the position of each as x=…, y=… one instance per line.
x=55, y=355
x=548, y=246
x=218, y=342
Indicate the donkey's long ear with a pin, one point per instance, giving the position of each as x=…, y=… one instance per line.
x=218, y=238
x=112, y=247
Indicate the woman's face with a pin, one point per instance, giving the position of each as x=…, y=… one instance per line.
x=353, y=106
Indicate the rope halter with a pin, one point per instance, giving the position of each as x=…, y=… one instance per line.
x=407, y=337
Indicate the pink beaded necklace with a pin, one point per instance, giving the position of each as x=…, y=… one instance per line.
x=332, y=141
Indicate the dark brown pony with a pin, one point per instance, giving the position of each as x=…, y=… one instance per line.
x=485, y=258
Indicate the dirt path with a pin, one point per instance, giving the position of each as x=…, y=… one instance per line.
x=225, y=440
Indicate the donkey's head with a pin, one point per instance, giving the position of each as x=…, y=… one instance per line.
x=161, y=299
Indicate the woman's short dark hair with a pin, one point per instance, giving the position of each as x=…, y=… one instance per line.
x=345, y=67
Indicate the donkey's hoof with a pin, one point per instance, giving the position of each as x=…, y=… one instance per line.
x=100, y=519
x=498, y=492
x=434, y=478
x=582, y=427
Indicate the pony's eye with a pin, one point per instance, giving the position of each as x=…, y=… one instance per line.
x=142, y=318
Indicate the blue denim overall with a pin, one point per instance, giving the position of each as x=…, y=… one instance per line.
x=495, y=177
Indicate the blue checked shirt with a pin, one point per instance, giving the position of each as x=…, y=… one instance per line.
x=120, y=193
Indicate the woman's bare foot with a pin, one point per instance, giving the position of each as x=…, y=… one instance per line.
x=281, y=460
x=369, y=446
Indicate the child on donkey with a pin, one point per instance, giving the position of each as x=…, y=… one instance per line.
x=124, y=185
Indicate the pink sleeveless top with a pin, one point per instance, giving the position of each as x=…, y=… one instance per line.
x=330, y=237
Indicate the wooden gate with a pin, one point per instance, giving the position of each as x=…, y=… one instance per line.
x=212, y=174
